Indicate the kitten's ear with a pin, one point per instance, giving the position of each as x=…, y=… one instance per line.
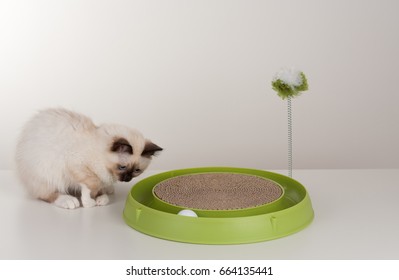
x=121, y=145
x=150, y=149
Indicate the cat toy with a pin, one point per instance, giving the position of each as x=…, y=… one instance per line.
x=223, y=205
x=289, y=83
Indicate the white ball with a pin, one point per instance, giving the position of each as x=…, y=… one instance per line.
x=188, y=213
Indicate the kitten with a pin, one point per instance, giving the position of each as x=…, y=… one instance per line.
x=63, y=157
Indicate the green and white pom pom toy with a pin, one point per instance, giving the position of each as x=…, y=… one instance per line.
x=288, y=83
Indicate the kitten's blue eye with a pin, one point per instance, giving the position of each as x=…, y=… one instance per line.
x=122, y=167
x=137, y=170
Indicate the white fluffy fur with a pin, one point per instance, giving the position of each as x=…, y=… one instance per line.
x=289, y=76
x=59, y=150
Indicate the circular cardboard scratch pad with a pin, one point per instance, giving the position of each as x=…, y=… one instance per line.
x=256, y=205
x=218, y=191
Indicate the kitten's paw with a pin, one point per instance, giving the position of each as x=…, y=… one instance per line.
x=88, y=202
x=66, y=201
x=102, y=200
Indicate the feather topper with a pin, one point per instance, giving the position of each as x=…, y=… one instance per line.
x=289, y=82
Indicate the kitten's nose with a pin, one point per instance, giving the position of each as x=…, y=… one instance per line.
x=126, y=177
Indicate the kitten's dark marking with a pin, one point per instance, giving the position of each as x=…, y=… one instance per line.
x=121, y=145
x=150, y=149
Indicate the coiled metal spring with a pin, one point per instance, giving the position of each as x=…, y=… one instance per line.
x=289, y=136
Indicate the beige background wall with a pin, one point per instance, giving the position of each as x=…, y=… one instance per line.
x=194, y=76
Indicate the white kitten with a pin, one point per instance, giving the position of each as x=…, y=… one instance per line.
x=62, y=157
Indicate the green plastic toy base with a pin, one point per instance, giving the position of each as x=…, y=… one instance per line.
x=289, y=214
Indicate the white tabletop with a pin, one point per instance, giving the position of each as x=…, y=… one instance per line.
x=356, y=217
